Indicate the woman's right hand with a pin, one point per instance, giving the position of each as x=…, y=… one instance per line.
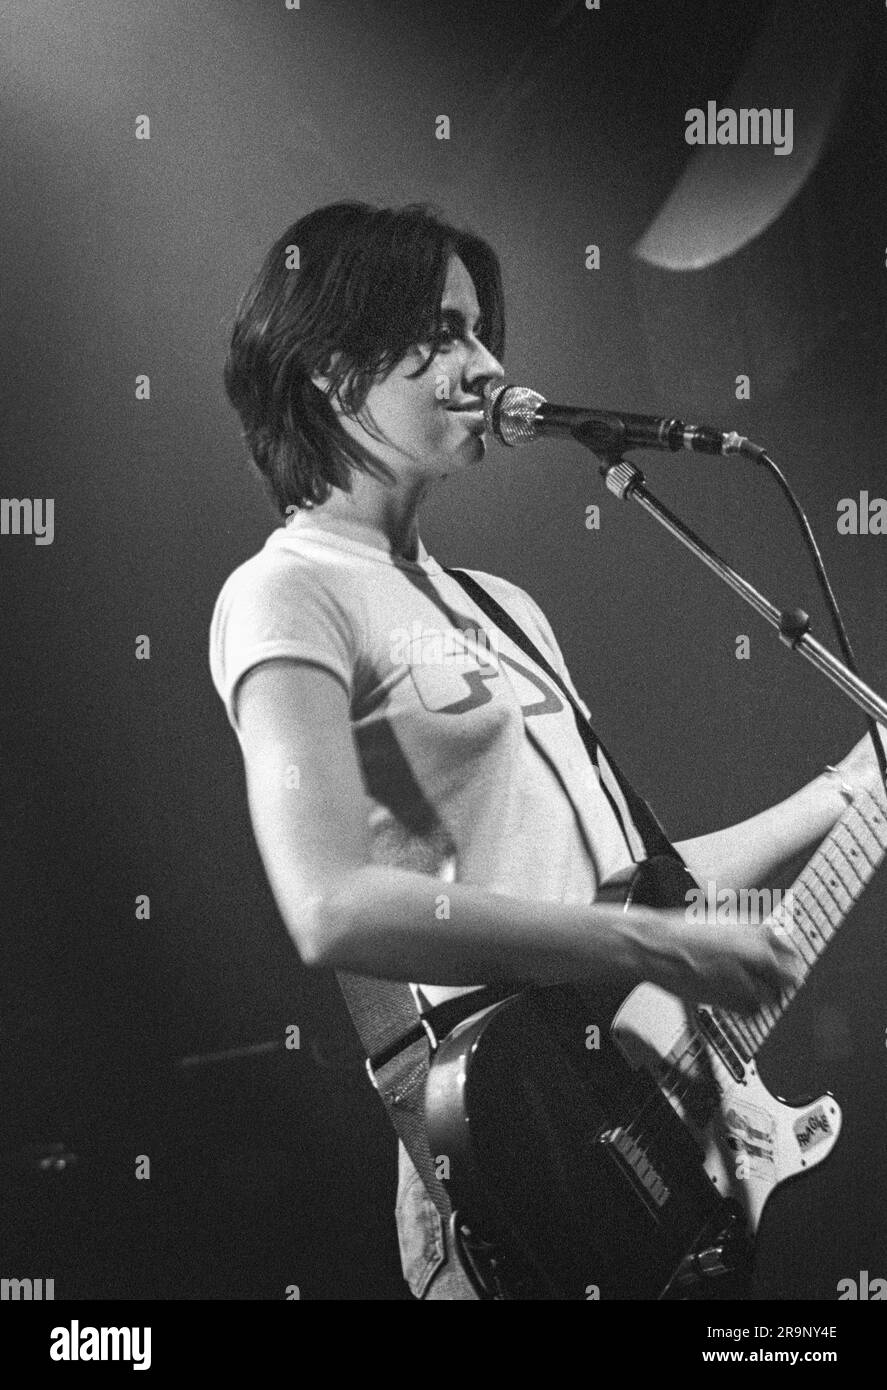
x=736, y=967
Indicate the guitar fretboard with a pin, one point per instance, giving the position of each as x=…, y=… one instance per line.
x=817, y=904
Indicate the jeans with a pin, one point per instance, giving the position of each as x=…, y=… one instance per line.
x=430, y=1267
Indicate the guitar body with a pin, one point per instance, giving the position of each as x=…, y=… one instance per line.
x=613, y=1149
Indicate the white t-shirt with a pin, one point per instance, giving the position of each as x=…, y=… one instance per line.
x=473, y=766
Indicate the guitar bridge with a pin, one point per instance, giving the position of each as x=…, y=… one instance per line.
x=634, y=1161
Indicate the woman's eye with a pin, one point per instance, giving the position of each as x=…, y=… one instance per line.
x=446, y=334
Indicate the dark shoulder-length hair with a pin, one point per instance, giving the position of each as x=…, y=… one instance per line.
x=352, y=279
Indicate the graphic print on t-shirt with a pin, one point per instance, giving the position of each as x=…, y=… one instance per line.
x=453, y=677
x=454, y=672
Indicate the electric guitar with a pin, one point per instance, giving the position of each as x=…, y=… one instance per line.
x=633, y=1158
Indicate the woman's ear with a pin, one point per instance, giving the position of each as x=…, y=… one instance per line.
x=322, y=382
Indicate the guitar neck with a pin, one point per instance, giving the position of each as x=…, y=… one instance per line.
x=819, y=901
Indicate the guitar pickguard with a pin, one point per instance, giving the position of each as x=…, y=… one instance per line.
x=750, y=1141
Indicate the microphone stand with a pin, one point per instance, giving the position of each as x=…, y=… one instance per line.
x=625, y=481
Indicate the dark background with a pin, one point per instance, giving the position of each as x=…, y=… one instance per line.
x=122, y=777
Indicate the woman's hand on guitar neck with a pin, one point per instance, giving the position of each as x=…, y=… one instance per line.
x=737, y=967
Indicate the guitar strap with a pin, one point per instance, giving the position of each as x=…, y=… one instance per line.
x=397, y=1037
x=654, y=837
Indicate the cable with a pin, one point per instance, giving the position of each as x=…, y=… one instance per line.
x=831, y=601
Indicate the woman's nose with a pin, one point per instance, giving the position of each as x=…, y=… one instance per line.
x=486, y=366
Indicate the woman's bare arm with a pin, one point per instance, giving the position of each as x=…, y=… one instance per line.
x=769, y=849
x=309, y=812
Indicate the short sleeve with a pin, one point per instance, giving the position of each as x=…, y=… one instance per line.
x=285, y=610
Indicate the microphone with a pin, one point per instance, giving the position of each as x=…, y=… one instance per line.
x=516, y=415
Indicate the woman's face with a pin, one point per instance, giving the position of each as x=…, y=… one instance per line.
x=426, y=430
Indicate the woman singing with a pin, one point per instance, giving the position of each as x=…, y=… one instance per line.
x=398, y=751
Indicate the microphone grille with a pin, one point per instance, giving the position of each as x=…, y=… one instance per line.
x=510, y=414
